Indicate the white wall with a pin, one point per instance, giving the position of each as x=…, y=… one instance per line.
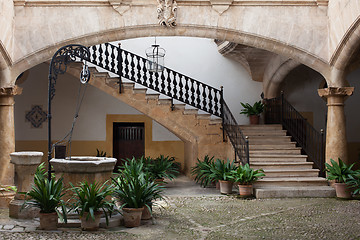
x=199, y=58
x=91, y=124
x=194, y=57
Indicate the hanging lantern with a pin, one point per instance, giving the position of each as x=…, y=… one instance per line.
x=155, y=58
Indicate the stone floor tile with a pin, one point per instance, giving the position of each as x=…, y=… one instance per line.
x=8, y=227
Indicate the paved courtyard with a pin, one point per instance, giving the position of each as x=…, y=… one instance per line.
x=200, y=213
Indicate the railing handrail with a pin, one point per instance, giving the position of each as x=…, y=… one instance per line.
x=131, y=66
x=174, y=85
x=279, y=110
x=236, y=136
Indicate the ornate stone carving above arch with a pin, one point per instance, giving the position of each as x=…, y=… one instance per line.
x=221, y=6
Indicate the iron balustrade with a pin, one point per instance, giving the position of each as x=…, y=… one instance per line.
x=168, y=82
x=279, y=110
x=237, y=138
x=174, y=85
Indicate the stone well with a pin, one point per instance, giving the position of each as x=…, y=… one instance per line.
x=79, y=169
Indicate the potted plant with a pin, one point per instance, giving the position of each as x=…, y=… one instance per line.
x=202, y=171
x=162, y=167
x=46, y=195
x=90, y=201
x=253, y=112
x=246, y=176
x=223, y=172
x=135, y=190
x=7, y=193
x=354, y=182
x=341, y=173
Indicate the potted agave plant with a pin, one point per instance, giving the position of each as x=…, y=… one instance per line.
x=161, y=168
x=90, y=201
x=202, y=171
x=341, y=173
x=253, y=112
x=246, y=176
x=135, y=189
x=223, y=172
x=47, y=195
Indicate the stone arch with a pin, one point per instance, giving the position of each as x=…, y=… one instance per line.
x=349, y=45
x=236, y=36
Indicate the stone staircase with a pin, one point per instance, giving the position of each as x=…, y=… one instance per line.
x=288, y=174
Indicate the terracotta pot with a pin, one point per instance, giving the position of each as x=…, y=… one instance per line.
x=225, y=187
x=5, y=198
x=146, y=214
x=245, y=190
x=160, y=181
x=342, y=190
x=48, y=221
x=254, y=119
x=90, y=224
x=132, y=216
x=217, y=185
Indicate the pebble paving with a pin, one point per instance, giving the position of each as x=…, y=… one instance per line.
x=214, y=216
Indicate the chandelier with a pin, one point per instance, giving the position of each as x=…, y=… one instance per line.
x=155, y=58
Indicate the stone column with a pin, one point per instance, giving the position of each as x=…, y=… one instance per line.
x=7, y=133
x=336, y=143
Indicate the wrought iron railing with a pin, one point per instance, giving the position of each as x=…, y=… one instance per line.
x=279, y=110
x=172, y=84
x=237, y=138
x=169, y=82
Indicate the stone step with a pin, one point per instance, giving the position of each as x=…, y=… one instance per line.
x=275, y=151
x=274, y=173
x=278, y=140
x=277, y=158
x=191, y=111
x=152, y=96
x=281, y=165
x=274, y=146
x=290, y=182
x=128, y=85
x=214, y=121
x=140, y=90
x=295, y=192
x=179, y=106
x=248, y=132
x=165, y=101
x=203, y=116
x=262, y=127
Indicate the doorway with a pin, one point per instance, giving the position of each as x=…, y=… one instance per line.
x=128, y=141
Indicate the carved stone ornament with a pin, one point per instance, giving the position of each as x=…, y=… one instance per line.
x=167, y=12
x=221, y=5
x=121, y=6
x=10, y=91
x=336, y=91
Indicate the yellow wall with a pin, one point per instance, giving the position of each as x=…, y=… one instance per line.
x=88, y=148
x=354, y=154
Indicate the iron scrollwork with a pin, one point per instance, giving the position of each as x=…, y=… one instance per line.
x=60, y=61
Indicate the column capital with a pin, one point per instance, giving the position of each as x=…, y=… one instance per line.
x=10, y=91
x=336, y=92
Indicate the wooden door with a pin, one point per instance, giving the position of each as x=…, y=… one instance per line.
x=128, y=141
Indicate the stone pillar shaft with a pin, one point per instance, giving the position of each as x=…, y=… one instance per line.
x=7, y=134
x=336, y=142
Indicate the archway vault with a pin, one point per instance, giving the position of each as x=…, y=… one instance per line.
x=93, y=22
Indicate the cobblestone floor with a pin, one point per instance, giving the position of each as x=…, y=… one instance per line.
x=213, y=216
